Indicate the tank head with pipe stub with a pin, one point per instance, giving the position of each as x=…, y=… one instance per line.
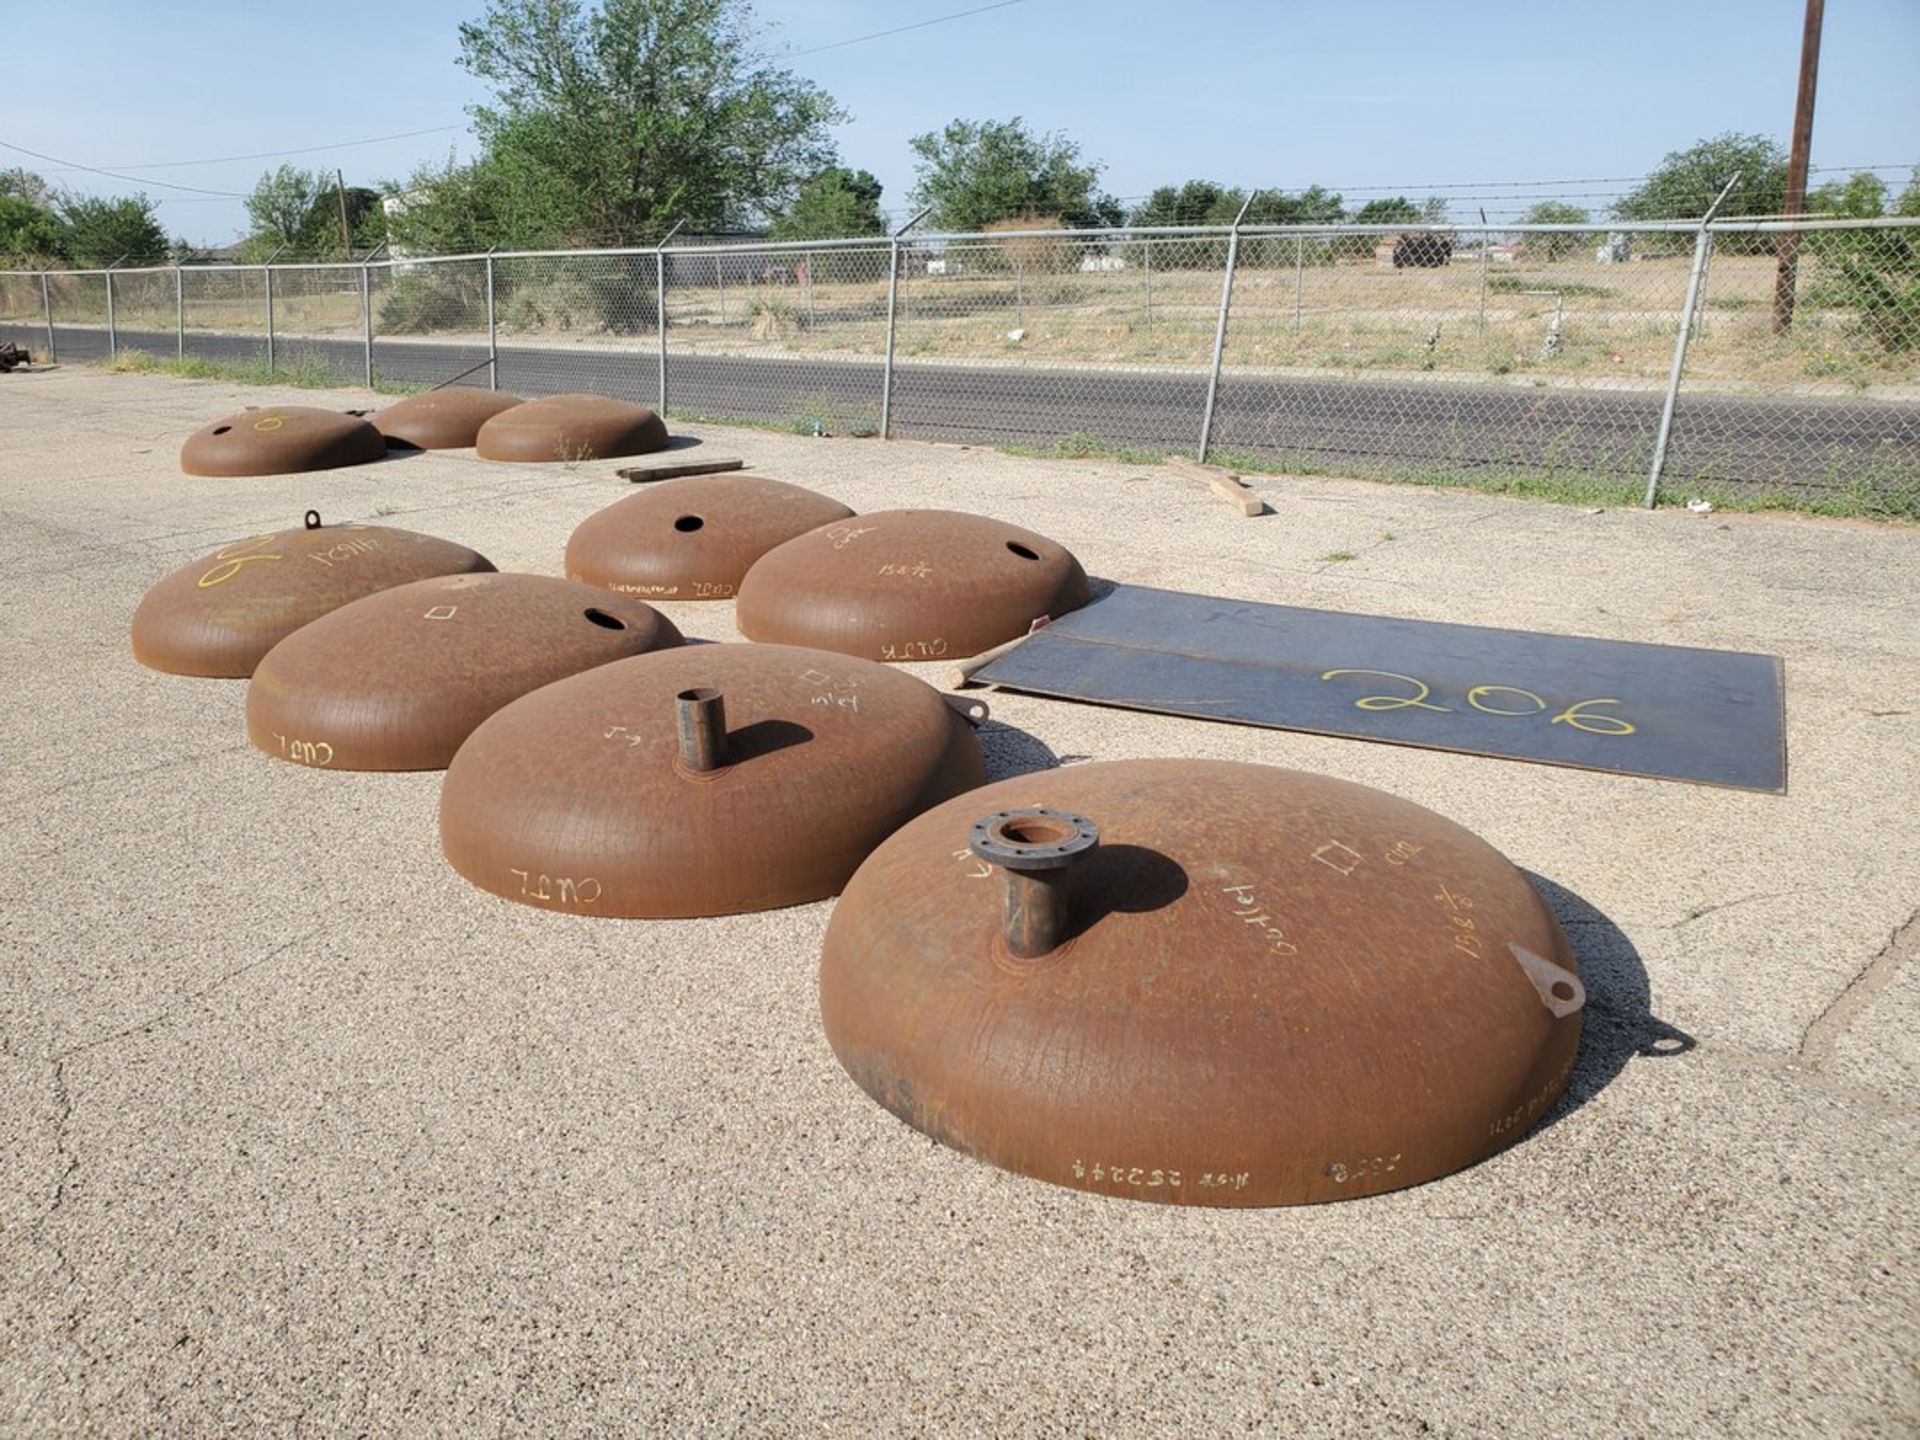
x=1201, y=983
x=708, y=780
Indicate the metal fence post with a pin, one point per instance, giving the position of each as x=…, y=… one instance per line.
x=1220, y=328
x=806, y=276
x=366, y=318
x=267, y=271
x=113, y=334
x=46, y=307
x=893, y=311
x=893, y=321
x=1146, y=261
x=1698, y=319
x=1673, y=375
x=660, y=309
x=1299, y=278
x=179, y=315
x=1701, y=240
x=660, y=319
x=493, y=342
x=1486, y=241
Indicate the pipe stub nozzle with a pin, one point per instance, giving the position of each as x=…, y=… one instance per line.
x=701, y=719
x=1033, y=847
x=1035, y=837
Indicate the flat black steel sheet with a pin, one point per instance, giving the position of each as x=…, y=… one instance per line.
x=1714, y=717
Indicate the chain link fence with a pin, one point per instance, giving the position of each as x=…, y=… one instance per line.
x=1749, y=361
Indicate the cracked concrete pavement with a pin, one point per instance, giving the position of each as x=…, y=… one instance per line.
x=300, y=1132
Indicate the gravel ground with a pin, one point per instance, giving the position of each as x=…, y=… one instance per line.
x=300, y=1132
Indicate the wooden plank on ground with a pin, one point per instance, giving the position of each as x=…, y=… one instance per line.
x=669, y=466
x=1224, y=483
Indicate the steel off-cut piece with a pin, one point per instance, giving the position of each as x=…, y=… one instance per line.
x=710, y=780
x=1201, y=982
x=398, y=680
x=220, y=614
x=909, y=585
x=693, y=539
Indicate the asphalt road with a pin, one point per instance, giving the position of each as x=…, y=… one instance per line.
x=1354, y=426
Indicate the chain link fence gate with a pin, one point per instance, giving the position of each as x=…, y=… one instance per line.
x=1572, y=360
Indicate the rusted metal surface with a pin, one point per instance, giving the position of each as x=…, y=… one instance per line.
x=693, y=539
x=281, y=440
x=570, y=428
x=909, y=585
x=710, y=780
x=1714, y=717
x=448, y=419
x=1266, y=987
x=398, y=680
x=219, y=614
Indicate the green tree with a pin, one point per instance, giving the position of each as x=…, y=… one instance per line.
x=612, y=122
x=1314, y=205
x=26, y=185
x=1555, y=212
x=1861, y=196
x=449, y=207
x=834, y=203
x=29, y=228
x=1201, y=202
x=977, y=171
x=1688, y=181
x=1397, y=211
x=103, y=231
x=319, y=232
x=1873, y=272
x=280, y=203
x=1195, y=202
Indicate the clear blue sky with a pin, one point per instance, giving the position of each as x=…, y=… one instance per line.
x=1394, y=94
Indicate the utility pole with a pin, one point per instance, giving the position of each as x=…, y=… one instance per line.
x=1786, y=275
x=346, y=234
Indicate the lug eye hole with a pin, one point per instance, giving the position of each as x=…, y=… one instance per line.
x=221, y=429
x=1022, y=551
x=687, y=524
x=606, y=621
x=1562, y=990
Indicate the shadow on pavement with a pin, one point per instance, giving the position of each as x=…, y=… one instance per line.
x=1619, y=1024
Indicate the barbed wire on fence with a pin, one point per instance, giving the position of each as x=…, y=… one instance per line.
x=1534, y=357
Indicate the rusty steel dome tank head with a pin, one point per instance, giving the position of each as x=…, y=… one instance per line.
x=693, y=539
x=219, y=614
x=446, y=419
x=398, y=680
x=909, y=585
x=709, y=780
x=568, y=428
x=1201, y=982
x=281, y=440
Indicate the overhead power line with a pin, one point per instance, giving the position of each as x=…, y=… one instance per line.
x=113, y=175
x=277, y=154
x=900, y=29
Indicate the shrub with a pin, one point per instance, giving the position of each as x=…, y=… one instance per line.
x=438, y=297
